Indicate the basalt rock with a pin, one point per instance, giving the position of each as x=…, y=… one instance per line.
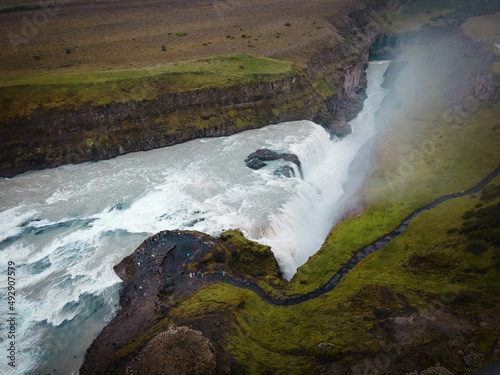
x=256, y=159
x=255, y=164
x=285, y=171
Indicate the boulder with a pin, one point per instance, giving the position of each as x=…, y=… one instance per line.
x=256, y=159
x=263, y=154
x=285, y=171
x=175, y=351
x=255, y=163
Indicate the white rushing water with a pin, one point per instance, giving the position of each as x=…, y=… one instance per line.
x=66, y=228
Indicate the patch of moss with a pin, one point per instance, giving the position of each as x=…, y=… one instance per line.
x=244, y=259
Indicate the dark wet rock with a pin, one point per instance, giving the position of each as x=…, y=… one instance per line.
x=256, y=160
x=255, y=164
x=340, y=128
x=263, y=154
x=166, y=287
x=285, y=171
x=291, y=158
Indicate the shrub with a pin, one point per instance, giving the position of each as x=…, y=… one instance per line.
x=490, y=192
x=68, y=51
x=287, y=24
x=476, y=247
x=163, y=48
x=37, y=57
x=181, y=33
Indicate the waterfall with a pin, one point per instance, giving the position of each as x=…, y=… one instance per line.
x=66, y=228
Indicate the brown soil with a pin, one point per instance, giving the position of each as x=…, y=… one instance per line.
x=104, y=35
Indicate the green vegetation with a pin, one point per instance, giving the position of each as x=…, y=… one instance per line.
x=124, y=128
x=396, y=23
x=22, y=94
x=412, y=16
x=181, y=33
x=439, y=276
x=244, y=259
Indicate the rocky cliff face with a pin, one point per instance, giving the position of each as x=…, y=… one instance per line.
x=49, y=138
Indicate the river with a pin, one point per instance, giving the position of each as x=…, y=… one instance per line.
x=65, y=228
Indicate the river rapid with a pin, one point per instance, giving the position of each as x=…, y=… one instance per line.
x=65, y=228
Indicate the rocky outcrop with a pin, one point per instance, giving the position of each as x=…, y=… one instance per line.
x=256, y=161
x=166, y=269
x=265, y=154
x=476, y=47
x=176, y=351
x=285, y=171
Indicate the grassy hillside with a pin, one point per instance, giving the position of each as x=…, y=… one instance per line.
x=21, y=94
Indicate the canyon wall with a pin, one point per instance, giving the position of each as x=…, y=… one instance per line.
x=329, y=90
